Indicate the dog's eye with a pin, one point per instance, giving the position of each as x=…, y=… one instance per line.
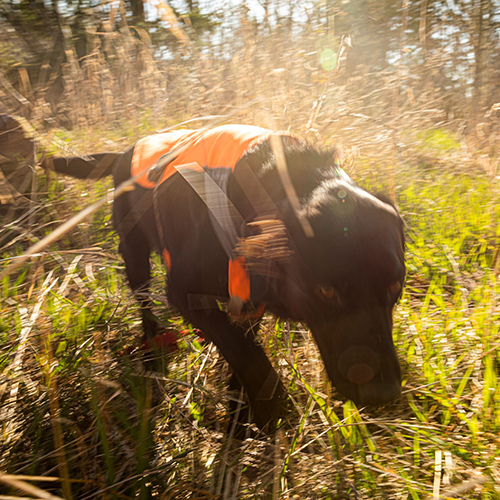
x=328, y=292
x=395, y=288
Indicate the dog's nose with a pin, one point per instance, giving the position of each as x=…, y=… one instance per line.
x=359, y=364
x=360, y=373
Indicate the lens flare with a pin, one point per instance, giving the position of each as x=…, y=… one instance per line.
x=328, y=59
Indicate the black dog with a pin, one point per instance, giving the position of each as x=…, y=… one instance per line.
x=319, y=250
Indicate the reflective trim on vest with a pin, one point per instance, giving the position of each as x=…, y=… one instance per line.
x=239, y=279
x=239, y=292
x=167, y=259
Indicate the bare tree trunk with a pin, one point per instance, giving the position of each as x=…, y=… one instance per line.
x=478, y=49
x=422, y=30
x=137, y=7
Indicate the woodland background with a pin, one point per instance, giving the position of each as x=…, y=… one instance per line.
x=81, y=63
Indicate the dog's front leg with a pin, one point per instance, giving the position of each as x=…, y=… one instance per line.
x=248, y=360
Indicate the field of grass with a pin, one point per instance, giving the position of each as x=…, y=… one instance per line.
x=82, y=419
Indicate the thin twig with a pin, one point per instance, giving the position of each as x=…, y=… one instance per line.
x=28, y=488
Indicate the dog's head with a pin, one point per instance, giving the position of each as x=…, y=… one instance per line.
x=356, y=262
x=344, y=281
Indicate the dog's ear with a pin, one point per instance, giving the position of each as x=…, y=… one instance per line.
x=385, y=198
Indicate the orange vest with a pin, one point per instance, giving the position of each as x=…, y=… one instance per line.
x=219, y=147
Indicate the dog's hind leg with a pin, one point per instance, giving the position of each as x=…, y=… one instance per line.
x=135, y=248
x=135, y=251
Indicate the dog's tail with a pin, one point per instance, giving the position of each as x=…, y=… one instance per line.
x=96, y=167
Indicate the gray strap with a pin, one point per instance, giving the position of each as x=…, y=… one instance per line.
x=226, y=217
